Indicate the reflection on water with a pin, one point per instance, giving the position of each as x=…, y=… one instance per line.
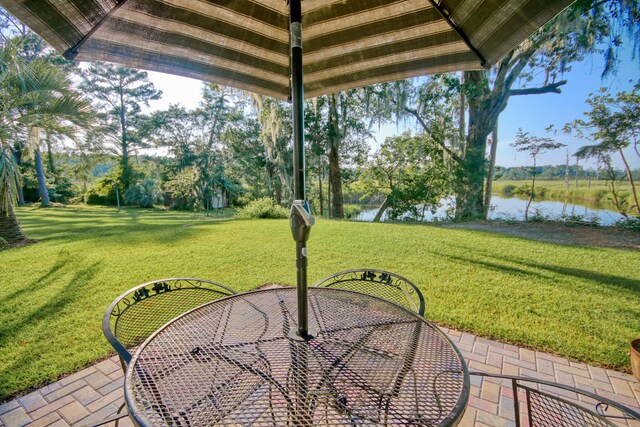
x=513, y=209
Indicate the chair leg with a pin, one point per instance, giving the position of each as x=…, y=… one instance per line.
x=120, y=410
x=116, y=417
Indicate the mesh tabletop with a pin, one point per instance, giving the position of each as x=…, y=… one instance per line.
x=237, y=362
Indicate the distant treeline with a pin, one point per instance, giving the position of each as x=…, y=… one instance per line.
x=554, y=173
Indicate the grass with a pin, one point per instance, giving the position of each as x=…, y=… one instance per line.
x=579, y=302
x=592, y=193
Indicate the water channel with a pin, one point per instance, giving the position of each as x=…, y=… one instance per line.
x=512, y=209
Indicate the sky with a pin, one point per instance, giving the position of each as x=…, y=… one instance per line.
x=532, y=113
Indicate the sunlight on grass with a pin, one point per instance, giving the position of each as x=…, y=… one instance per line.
x=579, y=302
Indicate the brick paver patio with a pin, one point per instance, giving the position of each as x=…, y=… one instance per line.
x=96, y=392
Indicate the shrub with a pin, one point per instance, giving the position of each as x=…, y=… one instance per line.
x=600, y=196
x=143, y=194
x=541, y=191
x=265, y=207
x=590, y=220
x=103, y=192
x=631, y=223
x=508, y=189
x=351, y=211
x=184, y=192
x=91, y=197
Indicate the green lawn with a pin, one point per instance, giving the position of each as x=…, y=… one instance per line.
x=575, y=301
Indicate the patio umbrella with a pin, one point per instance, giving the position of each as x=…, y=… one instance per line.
x=257, y=45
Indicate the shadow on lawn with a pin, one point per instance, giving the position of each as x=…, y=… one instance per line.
x=598, y=278
x=42, y=319
x=136, y=224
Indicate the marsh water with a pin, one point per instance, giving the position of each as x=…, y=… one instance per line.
x=513, y=209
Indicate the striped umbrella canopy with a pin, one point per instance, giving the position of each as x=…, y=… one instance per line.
x=245, y=43
x=258, y=45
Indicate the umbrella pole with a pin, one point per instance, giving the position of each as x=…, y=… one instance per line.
x=300, y=218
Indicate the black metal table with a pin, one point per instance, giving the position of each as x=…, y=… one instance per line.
x=238, y=362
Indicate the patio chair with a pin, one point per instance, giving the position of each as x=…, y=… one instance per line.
x=544, y=403
x=380, y=283
x=136, y=314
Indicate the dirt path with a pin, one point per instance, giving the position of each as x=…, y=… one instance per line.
x=608, y=237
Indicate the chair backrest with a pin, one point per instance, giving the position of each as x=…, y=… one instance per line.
x=140, y=311
x=383, y=284
x=545, y=403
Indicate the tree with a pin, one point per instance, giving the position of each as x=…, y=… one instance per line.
x=144, y=193
x=603, y=156
x=316, y=139
x=613, y=121
x=195, y=140
x=276, y=133
x=534, y=145
x=11, y=66
x=117, y=93
x=534, y=67
x=346, y=129
x=33, y=94
x=412, y=174
x=247, y=160
x=54, y=107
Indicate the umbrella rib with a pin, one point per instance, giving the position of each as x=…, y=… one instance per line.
x=462, y=34
x=72, y=52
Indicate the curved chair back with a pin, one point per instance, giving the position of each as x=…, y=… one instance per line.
x=383, y=284
x=140, y=311
x=544, y=403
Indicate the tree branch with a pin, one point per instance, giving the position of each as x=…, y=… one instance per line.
x=415, y=114
x=550, y=88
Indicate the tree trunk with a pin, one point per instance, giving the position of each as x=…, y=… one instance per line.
x=329, y=198
x=335, y=141
x=320, y=185
x=630, y=178
x=17, y=155
x=492, y=171
x=125, y=174
x=42, y=184
x=470, y=196
x=462, y=124
x=50, y=162
x=337, y=207
x=34, y=142
x=533, y=192
x=381, y=210
x=566, y=178
x=483, y=115
x=10, y=230
x=21, y=201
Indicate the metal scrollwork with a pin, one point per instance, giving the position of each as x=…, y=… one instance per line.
x=140, y=294
x=393, y=284
x=161, y=287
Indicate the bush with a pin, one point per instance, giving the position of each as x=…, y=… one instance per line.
x=103, y=192
x=183, y=188
x=60, y=190
x=91, y=197
x=508, y=189
x=143, y=194
x=522, y=191
x=265, y=207
x=351, y=211
x=631, y=223
x=600, y=196
x=541, y=191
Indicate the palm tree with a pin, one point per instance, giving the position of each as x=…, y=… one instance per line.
x=54, y=107
x=10, y=65
x=34, y=95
